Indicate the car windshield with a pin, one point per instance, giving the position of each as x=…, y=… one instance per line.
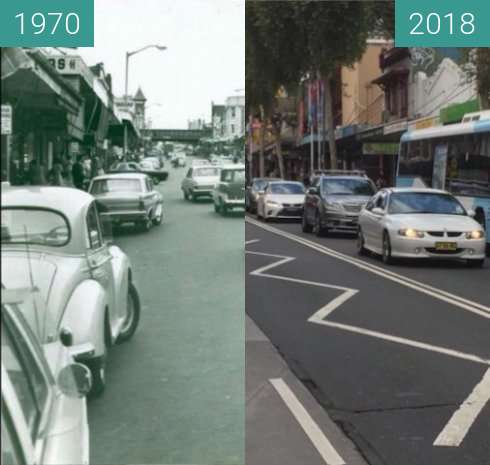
x=421, y=202
x=206, y=172
x=104, y=186
x=345, y=186
x=287, y=188
x=233, y=176
x=34, y=226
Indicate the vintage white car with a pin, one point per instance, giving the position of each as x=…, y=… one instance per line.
x=44, y=411
x=52, y=239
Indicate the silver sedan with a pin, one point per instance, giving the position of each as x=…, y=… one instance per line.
x=420, y=223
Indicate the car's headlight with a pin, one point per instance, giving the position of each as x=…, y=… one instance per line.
x=410, y=232
x=476, y=234
x=334, y=206
x=271, y=203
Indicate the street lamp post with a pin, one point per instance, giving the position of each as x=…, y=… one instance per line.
x=128, y=55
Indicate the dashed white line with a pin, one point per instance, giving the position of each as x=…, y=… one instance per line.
x=456, y=430
x=310, y=427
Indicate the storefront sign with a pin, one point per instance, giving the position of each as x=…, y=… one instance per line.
x=74, y=148
x=380, y=148
x=370, y=133
x=400, y=126
x=72, y=65
x=423, y=123
x=6, y=122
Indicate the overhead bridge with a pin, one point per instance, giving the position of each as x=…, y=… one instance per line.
x=176, y=135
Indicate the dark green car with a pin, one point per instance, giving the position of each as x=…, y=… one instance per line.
x=229, y=193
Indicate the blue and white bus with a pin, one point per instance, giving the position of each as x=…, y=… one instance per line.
x=455, y=157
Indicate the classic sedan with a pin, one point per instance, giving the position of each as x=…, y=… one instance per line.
x=199, y=182
x=44, y=411
x=252, y=193
x=146, y=167
x=420, y=223
x=229, y=192
x=52, y=239
x=128, y=198
x=281, y=199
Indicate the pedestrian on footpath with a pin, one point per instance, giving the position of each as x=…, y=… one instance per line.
x=78, y=173
x=56, y=174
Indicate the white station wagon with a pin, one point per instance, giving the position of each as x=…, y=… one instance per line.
x=52, y=239
x=44, y=411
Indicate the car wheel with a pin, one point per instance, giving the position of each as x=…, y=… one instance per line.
x=318, y=229
x=133, y=315
x=193, y=196
x=146, y=224
x=97, y=367
x=386, y=251
x=475, y=263
x=157, y=220
x=156, y=181
x=222, y=207
x=361, y=249
x=305, y=226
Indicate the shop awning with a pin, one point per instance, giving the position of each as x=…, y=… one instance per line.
x=394, y=73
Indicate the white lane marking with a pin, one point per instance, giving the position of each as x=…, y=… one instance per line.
x=468, y=305
x=456, y=430
x=310, y=427
x=319, y=316
x=252, y=241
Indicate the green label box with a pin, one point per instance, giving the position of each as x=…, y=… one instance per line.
x=442, y=23
x=46, y=23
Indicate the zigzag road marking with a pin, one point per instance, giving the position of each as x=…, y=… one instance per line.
x=455, y=300
x=462, y=420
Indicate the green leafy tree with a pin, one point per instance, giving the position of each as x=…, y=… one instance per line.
x=288, y=41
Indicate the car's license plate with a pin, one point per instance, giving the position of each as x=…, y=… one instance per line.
x=446, y=246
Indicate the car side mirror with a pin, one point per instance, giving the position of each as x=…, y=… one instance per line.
x=378, y=211
x=66, y=337
x=75, y=380
x=471, y=213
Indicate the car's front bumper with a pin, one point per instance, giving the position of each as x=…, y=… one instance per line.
x=204, y=191
x=344, y=222
x=234, y=203
x=282, y=212
x=426, y=248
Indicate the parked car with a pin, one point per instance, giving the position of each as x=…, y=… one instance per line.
x=252, y=192
x=146, y=167
x=229, y=192
x=334, y=201
x=200, y=162
x=200, y=181
x=420, y=223
x=179, y=159
x=44, y=411
x=128, y=198
x=52, y=239
x=281, y=199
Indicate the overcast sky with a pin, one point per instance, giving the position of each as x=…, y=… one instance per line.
x=205, y=60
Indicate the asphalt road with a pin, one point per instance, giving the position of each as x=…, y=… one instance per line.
x=175, y=392
x=398, y=356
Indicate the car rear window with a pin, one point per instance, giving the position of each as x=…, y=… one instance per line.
x=103, y=186
x=206, y=171
x=34, y=226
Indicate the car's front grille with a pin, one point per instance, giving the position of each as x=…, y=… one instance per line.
x=292, y=205
x=353, y=208
x=441, y=233
x=290, y=212
x=434, y=251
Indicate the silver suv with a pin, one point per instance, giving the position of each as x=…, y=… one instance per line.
x=334, y=201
